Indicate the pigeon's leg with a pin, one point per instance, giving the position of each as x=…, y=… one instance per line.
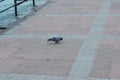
x=56, y=42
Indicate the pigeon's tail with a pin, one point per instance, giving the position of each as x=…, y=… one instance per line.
x=50, y=40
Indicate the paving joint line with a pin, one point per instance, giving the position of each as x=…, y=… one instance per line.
x=29, y=77
x=65, y=36
x=77, y=2
x=68, y=15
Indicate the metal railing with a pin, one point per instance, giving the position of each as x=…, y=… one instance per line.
x=1, y=0
x=16, y=3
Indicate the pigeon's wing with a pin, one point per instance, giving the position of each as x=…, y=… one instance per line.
x=55, y=39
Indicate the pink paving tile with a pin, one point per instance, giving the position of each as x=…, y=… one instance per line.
x=44, y=67
x=82, y=7
x=7, y=51
x=115, y=70
x=112, y=25
x=107, y=59
x=115, y=8
x=8, y=65
x=39, y=49
x=36, y=56
x=66, y=25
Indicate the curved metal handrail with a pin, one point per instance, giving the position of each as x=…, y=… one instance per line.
x=15, y=5
x=1, y=0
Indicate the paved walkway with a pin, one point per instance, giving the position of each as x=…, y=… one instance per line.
x=90, y=49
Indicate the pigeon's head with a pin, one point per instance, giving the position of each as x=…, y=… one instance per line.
x=61, y=38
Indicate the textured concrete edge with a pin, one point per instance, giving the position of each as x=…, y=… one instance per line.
x=40, y=77
x=44, y=36
x=78, y=2
x=69, y=15
x=29, y=77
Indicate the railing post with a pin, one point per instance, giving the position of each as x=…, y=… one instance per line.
x=33, y=2
x=1, y=0
x=15, y=6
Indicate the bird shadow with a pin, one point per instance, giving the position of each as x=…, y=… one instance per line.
x=53, y=43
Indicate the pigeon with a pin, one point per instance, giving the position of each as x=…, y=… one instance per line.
x=55, y=39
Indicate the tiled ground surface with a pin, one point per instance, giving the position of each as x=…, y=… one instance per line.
x=112, y=25
x=115, y=8
x=90, y=49
x=73, y=8
x=107, y=60
x=29, y=57
x=56, y=25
